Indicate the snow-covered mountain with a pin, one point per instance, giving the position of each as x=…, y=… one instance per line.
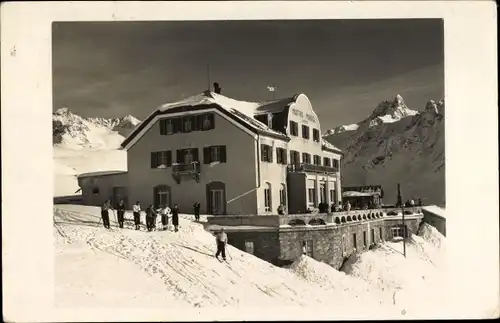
x=85, y=145
x=396, y=145
x=72, y=129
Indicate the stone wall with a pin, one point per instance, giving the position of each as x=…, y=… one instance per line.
x=266, y=244
x=331, y=243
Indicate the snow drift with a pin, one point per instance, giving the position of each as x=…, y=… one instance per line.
x=95, y=267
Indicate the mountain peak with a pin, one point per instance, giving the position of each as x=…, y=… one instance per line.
x=388, y=112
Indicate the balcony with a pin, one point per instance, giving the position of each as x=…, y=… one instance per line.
x=190, y=169
x=310, y=168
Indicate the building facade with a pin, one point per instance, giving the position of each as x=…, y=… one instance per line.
x=232, y=157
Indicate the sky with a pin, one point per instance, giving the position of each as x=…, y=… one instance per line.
x=345, y=67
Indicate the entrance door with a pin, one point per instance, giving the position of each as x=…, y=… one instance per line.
x=120, y=193
x=217, y=201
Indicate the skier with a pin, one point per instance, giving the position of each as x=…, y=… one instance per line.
x=121, y=210
x=150, y=217
x=137, y=215
x=175, y=217
x=196, y=211
x=221, y=240
x=164, y=211
x=105, y=213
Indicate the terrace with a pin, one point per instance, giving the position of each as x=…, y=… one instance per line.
x=312, y=219
x=311, y=168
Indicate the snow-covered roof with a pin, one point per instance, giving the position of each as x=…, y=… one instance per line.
x=243, y=110
x=328, y=145
x=434, y=209
x=357, y=194
x=102, y=173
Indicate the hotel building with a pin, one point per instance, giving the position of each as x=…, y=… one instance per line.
x=233, y=157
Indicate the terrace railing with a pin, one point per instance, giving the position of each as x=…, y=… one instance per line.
x=311, y=168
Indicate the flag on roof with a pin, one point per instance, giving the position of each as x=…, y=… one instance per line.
x=271, y=88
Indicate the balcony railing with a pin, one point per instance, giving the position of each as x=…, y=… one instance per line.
x=311, y=168
x=192, y=169
x=186, y=168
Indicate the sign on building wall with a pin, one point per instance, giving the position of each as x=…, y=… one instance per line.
x=304, y=116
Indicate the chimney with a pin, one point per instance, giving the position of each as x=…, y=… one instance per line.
x=217, y=88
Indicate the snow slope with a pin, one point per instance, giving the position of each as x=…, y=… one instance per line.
x=96, y=267
x=85, y=145
x=397, y=145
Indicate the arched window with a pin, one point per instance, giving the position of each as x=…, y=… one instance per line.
x=267, y=197
x=162, y=196
x=283, y=194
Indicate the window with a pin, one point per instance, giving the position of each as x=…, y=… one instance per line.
x=326, y=161
x=187, y=124
x=267, y=197
x=399, y=231
x=294, y=157
x=177, y=125
x=322, y=193
x=161, y=158
x=365, y=243
x=354, y=242
x=205, y=121
x=95, y=191
x=162, y=195
x=214, y=154
x=381, y=236
x=332, y=197
x=317, y=160
x=187, y=156
x=294, y=128
x=308, y=244
x=373, y=236
x=166, y=127
x=281, y=156
x=335, y=163
x=344, y=246
x=266, y=153
x=249, y=247
x=283, y=194
x=306, y=158
x=311, y=193
x=316, y=135
x=305, y=132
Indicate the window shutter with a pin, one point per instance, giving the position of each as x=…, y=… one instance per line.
x=195, y=154
x=212, y=120
x=206, y=155
x=223, y=156
x=270, y=152
x=195, y=123
x=154, y=160
x=177, y=124
x=169, y=158
x=180, y=156
x=162, y=127
x=283, y=158
x=262, y=152
x=278, y=155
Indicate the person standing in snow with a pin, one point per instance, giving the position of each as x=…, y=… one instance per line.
x=412, y=202
x=175, y=217
x=121, y=211
x=137, y=215
x=105, y=213
x=164, y=212
x=221, y=241
x=150, y=217
x=419, y=202
x=304, y=250
x=197, y=211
